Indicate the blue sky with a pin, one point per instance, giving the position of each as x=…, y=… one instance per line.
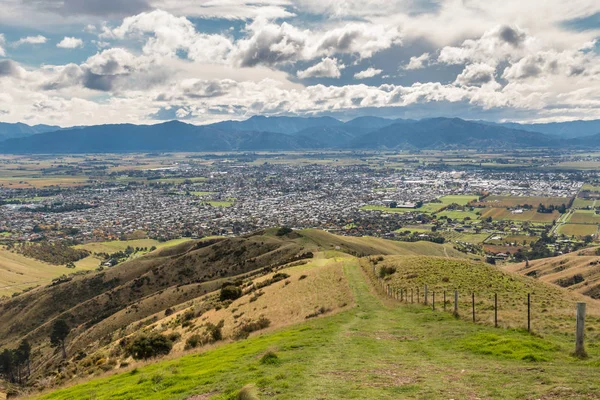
x=76, y=62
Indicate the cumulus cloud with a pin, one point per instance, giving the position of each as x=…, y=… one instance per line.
x=70, y=43
x=39, y=39
x=498, y=44
x=367, y=73
x=9, y=68
x=327, y=68
x=417, y=62
x=477, y=75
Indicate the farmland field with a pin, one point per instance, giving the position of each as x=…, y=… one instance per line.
x=386, y=209
x=529, y=215
x=584, y=217
x=514, y=201
x=583, y=203
x=120, y=245
x=578, y=229
x=460, y=215
x=474, y=238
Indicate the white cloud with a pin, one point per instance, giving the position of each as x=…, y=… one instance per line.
x=2, y=41
x=417, y=62
x=39, y=39
x=327, y=68
x=477, y=75
x=70, y=43
x=367, y=73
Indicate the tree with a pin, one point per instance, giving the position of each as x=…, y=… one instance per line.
x=22, y=356
x=58, y=336
x=149, y=346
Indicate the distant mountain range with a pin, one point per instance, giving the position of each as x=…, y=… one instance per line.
x=297, y=133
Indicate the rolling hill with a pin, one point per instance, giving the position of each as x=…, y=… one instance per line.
x=578, y=272
x=333, y=334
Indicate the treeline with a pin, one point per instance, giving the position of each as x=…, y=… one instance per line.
x=59, y=208
x=15, y=365
x=119, y=256
x=52, y=253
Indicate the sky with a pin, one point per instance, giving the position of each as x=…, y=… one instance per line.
x=84, y=62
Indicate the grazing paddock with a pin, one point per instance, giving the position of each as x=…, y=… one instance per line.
x=514, y=201
x=499, y=214
x=583, y=203
x=584, y=217
x=578, y=229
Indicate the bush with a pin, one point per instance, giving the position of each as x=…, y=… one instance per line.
x=230, y=292
x=302, y=277
x=246, y=329
x=193, y=342
x=284, y=230
x=214, y=331
x=270, y=358
x=385, y=271
x=149, y=346
x=248, y=392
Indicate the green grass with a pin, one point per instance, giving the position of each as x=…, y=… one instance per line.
x=201, y=193
x=583, y=203
x=220, y=204
x=461, y=200
x=459, y=215
x=387, y=209
x=120, y=245
x=377, y=350
x=584, y=217
x=578, y=229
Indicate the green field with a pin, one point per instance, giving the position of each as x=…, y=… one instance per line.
x=578, y=229
x=220, y=204
x=583, y=203
x=459, y=215
x=499, y=214
x=584, y=217
x=120, y=245
x=514, y=201
x=377, y=350
x=474, y=238
x=458, y=199
x=200, y=194
x=388, y=209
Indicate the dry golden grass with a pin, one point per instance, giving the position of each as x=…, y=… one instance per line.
x=551, y=270
x=18, y=272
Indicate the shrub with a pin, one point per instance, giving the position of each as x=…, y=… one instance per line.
x=284, y=230
x=385, y=271
x=193, y=342
x=270, y=358
x=230, y=292
x=248, y=392
x=214, y=331
x=252, y=326
x=149, y=346
x=302, y=277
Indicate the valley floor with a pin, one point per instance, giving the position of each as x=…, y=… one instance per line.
x=377, y=350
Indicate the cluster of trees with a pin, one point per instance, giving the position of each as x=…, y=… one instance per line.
x=57, y=253
x=118, y=256
x=543, y=209
x=15, y=365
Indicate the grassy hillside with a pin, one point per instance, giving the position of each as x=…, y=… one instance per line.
x=552, y=308
x=18, y=272
x=578, y=272
x=379, y=349
x=103, y=307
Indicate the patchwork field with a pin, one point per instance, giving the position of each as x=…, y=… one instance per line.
x=29, y=182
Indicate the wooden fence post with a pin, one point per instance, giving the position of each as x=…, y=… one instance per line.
x=580, y=331
x=496, y=310
x=528, y=312
x=433, y=300
x=473, y=302
x=412, y=298
x=418, y=296
x=444, y=300
x=425, y=293
x=456, y=303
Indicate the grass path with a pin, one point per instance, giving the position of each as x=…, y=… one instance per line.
x=377, y=350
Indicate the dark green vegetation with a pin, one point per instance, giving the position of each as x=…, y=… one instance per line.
x=52, y=253
x=288, y=133
x=378, y=349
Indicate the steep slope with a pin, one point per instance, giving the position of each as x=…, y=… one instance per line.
x=445, y=133
x=578, y=272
